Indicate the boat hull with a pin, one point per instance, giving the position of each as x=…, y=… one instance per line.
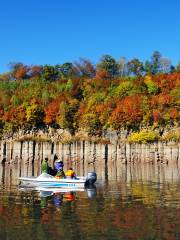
x=47, y=181
x=53, y=182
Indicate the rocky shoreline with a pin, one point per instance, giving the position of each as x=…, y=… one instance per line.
x=33, y=146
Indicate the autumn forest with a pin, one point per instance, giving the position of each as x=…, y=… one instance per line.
x=112, y=95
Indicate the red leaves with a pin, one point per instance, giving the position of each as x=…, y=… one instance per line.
x=102, y=74
x=127, y=112
x=21, y=72
x=51, y=112
x=36, y=71
x=174, y=113
x=16, y=115
x=167, y=82
x=161, y=100
x=156, y=115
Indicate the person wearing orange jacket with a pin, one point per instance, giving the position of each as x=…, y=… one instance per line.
x=70, y=173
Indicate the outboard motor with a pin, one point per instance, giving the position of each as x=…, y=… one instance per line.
x=91, y=178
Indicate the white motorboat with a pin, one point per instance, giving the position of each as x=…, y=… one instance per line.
x=48, y=181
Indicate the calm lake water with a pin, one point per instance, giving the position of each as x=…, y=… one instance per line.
x=128, y=202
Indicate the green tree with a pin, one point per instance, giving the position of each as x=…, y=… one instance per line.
x=148, y=68
x=65, y=70
x=156, y=62
x=109, y=64
x=49, y=73
x=135, y=67
x=154, y=65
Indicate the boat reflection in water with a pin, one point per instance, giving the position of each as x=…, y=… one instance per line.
x=58, y=198
x=59, y=195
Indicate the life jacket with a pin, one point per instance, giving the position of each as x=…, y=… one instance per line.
x=70, y=173
x=60, y=174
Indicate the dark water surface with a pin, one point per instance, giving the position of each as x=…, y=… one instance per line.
x=128, y=202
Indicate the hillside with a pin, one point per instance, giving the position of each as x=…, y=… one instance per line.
x=111, y=95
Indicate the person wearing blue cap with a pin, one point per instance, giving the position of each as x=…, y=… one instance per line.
x=59, y=168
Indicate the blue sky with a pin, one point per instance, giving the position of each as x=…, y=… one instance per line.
x=57, y=31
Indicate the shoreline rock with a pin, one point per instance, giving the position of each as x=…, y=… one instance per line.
x=32, y=146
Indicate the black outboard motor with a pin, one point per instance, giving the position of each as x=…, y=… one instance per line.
x=91, y=178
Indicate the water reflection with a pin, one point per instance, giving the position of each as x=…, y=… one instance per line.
x=129, y=202
x=57, y=198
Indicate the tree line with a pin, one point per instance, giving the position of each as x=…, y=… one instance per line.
x=109, y=95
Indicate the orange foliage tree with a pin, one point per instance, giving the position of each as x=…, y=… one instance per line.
x=51, y=112
x=128, y=112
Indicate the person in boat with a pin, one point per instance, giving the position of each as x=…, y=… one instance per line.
x=45, y=166
x=70, y=173
x=59, y=168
